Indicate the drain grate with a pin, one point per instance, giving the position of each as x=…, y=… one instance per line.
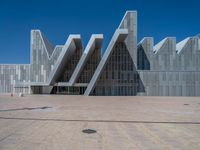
x=89, y=131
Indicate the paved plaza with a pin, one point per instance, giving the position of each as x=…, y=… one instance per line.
x=56, y=122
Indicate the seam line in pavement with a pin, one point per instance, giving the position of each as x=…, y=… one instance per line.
x=108, y=121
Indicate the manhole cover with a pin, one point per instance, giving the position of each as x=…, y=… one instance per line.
x=186, y=104
x=45, y=107
x=89, y=131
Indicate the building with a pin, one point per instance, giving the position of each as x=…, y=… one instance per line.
x=126, y=68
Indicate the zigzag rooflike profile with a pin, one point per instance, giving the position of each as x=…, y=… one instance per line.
x=94, y=42
x=50, y=50
x=48, y=45
x=142, y=41
x=180, y=46
x=68, y=49
x=146, y=42
x=119, y=36
x=158, y=46
x=125, y=69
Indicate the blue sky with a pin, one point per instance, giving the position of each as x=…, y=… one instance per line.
x=59, y=18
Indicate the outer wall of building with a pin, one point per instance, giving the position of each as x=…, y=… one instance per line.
x=10, y=74
x=126, y=68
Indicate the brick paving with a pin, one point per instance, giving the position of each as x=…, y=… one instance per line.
x=55, y=122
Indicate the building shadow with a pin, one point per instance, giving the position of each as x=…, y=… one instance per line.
x=142, y=59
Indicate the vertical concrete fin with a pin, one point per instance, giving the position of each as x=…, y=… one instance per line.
x=129, y=22
x=119, y=35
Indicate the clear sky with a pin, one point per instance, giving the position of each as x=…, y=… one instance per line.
x=59, y=18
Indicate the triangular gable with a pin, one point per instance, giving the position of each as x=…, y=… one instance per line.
x=118, y=76
x=182, y=44
x=119, y=36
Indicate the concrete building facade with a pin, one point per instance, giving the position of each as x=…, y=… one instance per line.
x=126, y=68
